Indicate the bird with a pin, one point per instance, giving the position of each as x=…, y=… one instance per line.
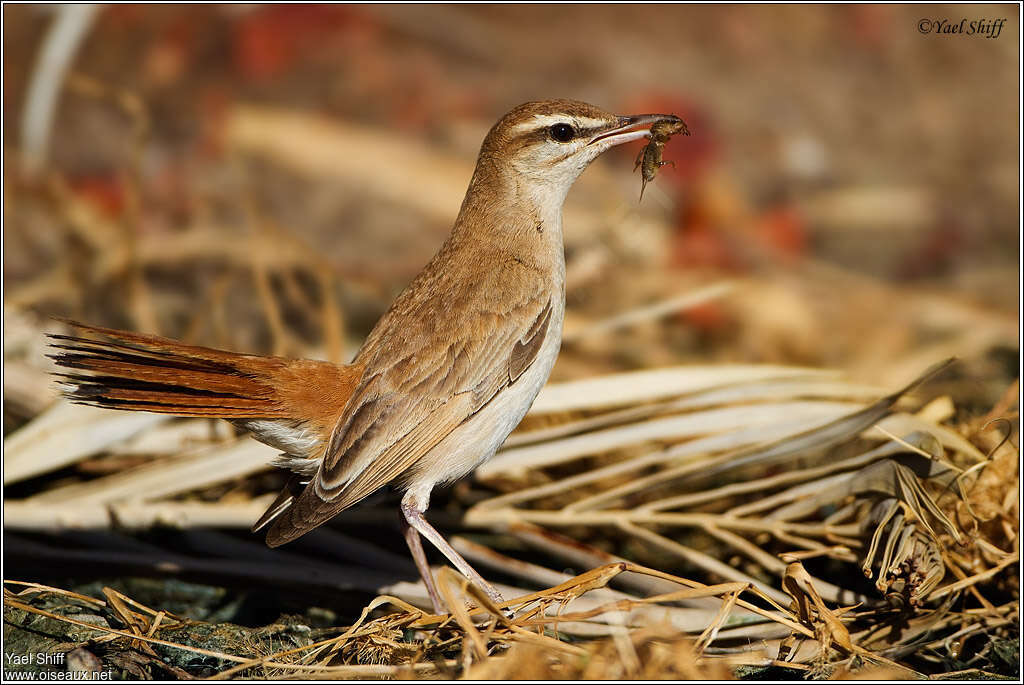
x=443, y=377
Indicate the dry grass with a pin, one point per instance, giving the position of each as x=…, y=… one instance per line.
x=782, y=489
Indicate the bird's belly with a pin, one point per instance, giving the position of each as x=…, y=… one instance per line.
x=476, y=440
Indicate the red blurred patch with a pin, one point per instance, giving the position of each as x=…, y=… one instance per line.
x=270, y=40
x=170, y=56
x=707, y=317
x=784, y=230
x=213, y=107
x=936, y=251
x=700, y=245
x=105, y=193
x=868, y=25
x=123, y=15
x=703, y=226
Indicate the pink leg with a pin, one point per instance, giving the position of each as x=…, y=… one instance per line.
x=412, y=538
x=414, y=516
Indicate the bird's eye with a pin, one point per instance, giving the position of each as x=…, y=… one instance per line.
x=562, y=133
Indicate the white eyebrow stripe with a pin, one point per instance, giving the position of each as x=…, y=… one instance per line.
x=544, y=120
x=590, y=122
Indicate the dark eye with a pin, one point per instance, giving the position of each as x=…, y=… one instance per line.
x=563, y=133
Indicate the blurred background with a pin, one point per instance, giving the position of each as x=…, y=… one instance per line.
x=218, y=173
x=267, y=178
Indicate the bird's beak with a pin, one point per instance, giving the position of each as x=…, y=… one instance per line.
x=630, y=128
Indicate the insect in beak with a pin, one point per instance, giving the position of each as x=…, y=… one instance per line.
x=632, y=128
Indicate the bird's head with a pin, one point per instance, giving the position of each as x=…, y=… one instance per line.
x=547, y=144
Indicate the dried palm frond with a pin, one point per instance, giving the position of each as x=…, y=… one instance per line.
x=781, y=488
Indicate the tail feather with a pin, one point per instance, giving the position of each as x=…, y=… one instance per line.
x=140, y=372
x=115, y=392
x=184, y=358
x=291, y=404
x=152, y=345
x=132, y=371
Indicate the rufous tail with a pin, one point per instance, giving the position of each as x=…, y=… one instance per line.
x=139, y=372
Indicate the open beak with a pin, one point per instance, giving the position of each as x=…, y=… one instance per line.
x=631, y=128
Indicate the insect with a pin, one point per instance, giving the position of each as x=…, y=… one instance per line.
x=649, y=160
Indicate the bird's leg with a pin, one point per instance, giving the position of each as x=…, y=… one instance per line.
x=412, y=538
x=413, y=512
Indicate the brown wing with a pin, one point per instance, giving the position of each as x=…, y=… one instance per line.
x=412, y=396
x=526, y=350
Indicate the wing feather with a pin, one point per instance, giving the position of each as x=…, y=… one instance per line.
x=424, y=378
